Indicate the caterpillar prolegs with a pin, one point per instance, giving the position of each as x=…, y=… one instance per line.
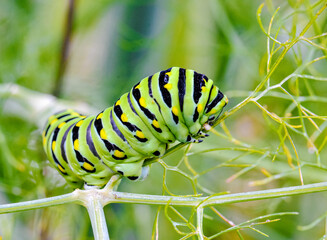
x=174, y=104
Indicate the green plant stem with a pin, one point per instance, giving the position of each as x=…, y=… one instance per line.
x=121, y=197
x=287, y=46
x=95, y=209
x=95, y=199
x=199, y=220
x=106, y=196
x=40, y=203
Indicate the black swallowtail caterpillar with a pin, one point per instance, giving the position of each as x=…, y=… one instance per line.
x=170, y=105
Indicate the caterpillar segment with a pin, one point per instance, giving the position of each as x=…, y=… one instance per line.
x=82, y=159
x=54, y=138
x=134, y=129
x=147, y=107
x=164, y=91
x=174, y=104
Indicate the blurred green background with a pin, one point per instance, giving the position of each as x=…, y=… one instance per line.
x=114, y=44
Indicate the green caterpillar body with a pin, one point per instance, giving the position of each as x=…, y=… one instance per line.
x=170, y=105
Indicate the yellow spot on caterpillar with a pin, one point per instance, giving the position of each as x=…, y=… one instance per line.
x=44, y=140
x=124, y=117
x=118, y=102
x=168, y=86
x=142, y=102
x=175, y=111
x=155, y=123
x=78, y=124
x=119, y=154
x=168, y=73
x=213, y=111
x=137, y=86
x=200, y=107
x=53, y=145
x=83, y=116
x=53, y=121
x=61, y=169
x=61, y=124
x=203, y=89
x=88, y=166
x=204, y=79
x=140, y=134
x=103, y=134
x=76, y=144
x=99, y=116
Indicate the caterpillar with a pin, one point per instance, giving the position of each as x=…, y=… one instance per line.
x=174, y=104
